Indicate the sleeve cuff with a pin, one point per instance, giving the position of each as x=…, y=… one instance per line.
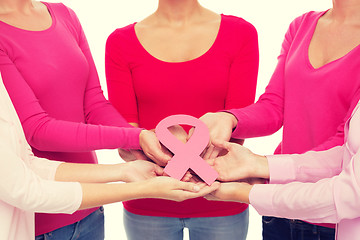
x=281, y=169
x=236, y=130
x=44, y=168
x=134, y=140
x=261, y=198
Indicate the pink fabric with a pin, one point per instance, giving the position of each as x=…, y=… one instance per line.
x=186, y=156
x=311, y=104
x=53, y=84
x=317, y=186
x=145, y=90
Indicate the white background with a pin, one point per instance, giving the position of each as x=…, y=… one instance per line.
x=271, y=19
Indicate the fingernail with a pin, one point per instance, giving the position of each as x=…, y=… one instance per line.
x=196, y=188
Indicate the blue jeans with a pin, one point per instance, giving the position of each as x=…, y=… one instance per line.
x=140, y=227
x=287, y=229
x=89, y=228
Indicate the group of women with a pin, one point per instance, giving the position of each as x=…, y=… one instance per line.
x=184, y=59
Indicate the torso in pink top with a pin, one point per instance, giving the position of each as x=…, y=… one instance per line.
x=146, y=90
x=311, y=104
x=53, y=84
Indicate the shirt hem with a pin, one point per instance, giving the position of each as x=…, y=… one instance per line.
x=221, y=213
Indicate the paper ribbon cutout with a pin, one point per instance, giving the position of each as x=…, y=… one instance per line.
x=186, y=155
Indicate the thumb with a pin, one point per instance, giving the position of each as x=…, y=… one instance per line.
x=222, y=144
x=188, y=186
x=191, y=131
x=158, y=170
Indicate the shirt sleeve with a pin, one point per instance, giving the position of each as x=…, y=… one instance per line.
x=244, y=71
x=119, y=79
x=266, y=115
x=328, y=200
x=21, y=187
x=308, y=167
x=49, y=134
x=97, y=109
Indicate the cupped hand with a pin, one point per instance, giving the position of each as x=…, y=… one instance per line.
x=172, y=189
x=239, y=163
x=153, y=149
x=139, y=170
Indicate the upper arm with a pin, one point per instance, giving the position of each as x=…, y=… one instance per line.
x=119, y=78
x=244, y=69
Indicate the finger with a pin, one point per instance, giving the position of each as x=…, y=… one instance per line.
x=215, y=152
x=188, y=186
x=158, y=156
x=222, y=144
x=126, y=155
x=209, y=152
x=158, y=170
x=201, y=184
x=139, y=155
x=187, y=177
x=208, y=189
x=210, y=161
x=191, y=131
x=211, y=197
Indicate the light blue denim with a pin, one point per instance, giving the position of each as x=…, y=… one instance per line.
x=140, y=227
x=89, y=228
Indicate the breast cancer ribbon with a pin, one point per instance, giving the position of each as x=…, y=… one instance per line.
x=186, y=155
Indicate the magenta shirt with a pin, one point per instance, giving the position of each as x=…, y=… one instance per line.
x=311, y=104
x=52, y=81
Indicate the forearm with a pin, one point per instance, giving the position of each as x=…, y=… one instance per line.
x=90, y=173
x=99, y=194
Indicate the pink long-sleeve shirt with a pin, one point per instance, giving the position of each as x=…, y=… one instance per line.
x=27, y=181
x=317, y=186
x=312, y=104
x=52, y=81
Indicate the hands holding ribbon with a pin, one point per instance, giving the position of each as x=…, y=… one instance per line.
x=220, y=125
x=237, y=168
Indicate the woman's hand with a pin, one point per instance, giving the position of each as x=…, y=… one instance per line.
x=172, y=189
x=231, y=191
x=220, y=126
x=239, y=163
x=139, y=170
x=179, y=133
x=153, y=149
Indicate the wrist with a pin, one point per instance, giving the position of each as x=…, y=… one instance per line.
x=146, y=189
x=242, y=193
x=119, y=172
x=262, y=167
x=230, y=118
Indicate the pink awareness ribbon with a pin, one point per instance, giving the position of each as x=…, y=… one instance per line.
x=186, y=155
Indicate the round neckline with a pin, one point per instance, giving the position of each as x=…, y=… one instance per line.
x=308, y=47
x=53, y=22
x=190, y=60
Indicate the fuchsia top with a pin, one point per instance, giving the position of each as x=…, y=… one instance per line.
x=53, y=84
x=311, y=104
x=319, y=186
x=145, y=90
